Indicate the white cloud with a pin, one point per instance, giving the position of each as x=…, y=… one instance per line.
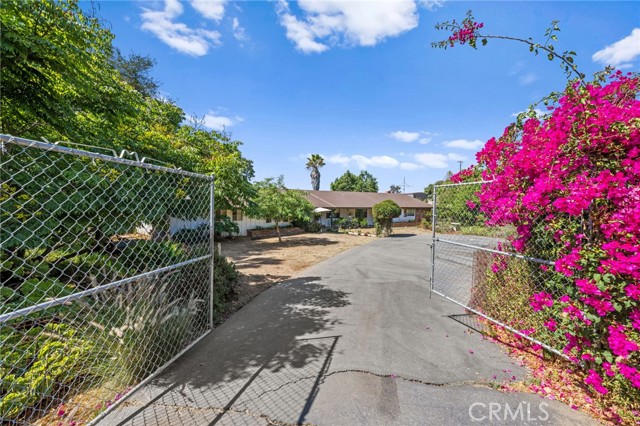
x=620, y=53
x=326, y=23
x=409, y=166
x=539, y=113
x=191, y=41
x=456, y=157
x=403, y=136
x=362, y=162
x=210, y=9
x=464, y=144
x=339, y=159
x=528, y=78
x=382, y=161
x=516, y=68
x=431, y=4
x=220, y=122
x=238, y=31
x=430, y=159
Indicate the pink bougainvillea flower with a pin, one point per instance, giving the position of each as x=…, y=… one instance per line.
x=601, y=306
x=631, y=373
x=634, y=316
x=619, y=342
x=607, y=367
x=551, y=324
x=633, y=291
x=595, y=381
x=588, y=287
x=540, y=300
x=587, y=357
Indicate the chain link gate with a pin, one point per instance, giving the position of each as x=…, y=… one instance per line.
x=475, y=266
x=99, y=290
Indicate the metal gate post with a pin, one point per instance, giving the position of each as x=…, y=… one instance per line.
x=212, y=218
x=433, y=240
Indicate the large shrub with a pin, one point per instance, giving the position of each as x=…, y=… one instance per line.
x=383, y=214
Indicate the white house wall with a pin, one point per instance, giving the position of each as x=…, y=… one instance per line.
x=245, y=224
x=249, y=223
x=176, y=224
x=404, y=217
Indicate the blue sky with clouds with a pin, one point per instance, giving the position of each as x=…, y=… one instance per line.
x=357, y=81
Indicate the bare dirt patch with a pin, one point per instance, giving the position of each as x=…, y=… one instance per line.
x=266, y=262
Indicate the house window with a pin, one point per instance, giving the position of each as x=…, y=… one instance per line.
x=336, y=214
x=237, y=215
x=410, y=212
x=268, y=220
x=361, y=213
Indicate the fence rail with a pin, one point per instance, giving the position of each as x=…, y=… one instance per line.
x=97, y=294
x=476, y=266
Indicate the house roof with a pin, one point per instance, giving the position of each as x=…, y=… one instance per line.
x=361, y=200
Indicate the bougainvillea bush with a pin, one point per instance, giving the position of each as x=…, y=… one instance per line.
x=569, y=182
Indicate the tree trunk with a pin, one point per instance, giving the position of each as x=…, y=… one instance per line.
x=315, y=179
x=278, y=230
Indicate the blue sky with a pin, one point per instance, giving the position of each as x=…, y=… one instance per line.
x=357, y=81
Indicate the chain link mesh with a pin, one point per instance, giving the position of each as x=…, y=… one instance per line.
x=98, y=289
x=476, y=265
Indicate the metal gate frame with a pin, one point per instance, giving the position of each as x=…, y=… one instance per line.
x=8, y=140
x=436, y=240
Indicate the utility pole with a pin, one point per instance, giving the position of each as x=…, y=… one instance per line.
x=460, y=161
x=404, y=185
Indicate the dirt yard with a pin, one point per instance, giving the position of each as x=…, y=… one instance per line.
x=266, y=262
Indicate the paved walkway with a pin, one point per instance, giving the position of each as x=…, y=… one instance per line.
x=354, y=340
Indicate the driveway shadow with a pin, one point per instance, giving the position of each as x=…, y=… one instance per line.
x=257, y=367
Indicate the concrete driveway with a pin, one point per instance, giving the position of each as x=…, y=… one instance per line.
x=354, y=340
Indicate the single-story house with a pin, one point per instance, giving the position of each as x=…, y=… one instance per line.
x=359, y=204
x=334, y=205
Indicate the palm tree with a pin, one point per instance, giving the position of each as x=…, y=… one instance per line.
x=314, y=162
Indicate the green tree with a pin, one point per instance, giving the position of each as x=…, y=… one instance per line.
x=57, y=78
x=347, y=182
x=383, y=214
x=368, y=183
x=364, y=182
x=135, y=69
x=459, y=203
x=274, y=201
x=429, y=188
x=215, y=152
x=394, y=189
x=314, y=162
x=60, y=80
